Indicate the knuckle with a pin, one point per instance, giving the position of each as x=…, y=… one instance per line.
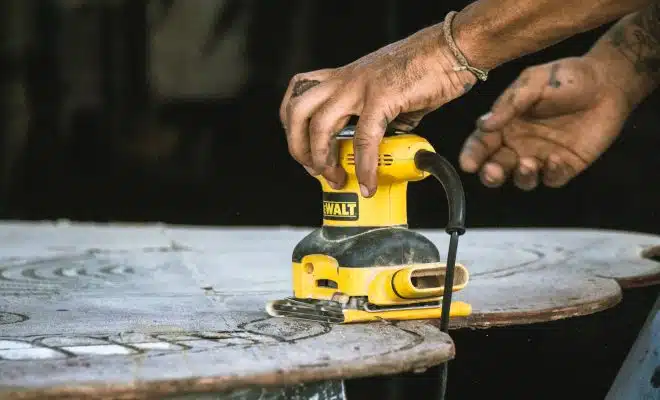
x=319, y=125
x=517, y=102
x=296, y=78
x=283, y=114
x=523, y=98
x=320, y=154
x=383, y=101
x=294, y=150
x=390, y=110
x=363, y=142
x=293, y=110
x=297, y=150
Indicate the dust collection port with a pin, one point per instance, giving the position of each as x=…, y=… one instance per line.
x=424, y=282
x=327, y=283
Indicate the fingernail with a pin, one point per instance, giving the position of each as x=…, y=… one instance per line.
x=364, y=191
x=485, y=117
x=524, y=169
x=468, y=164
x=334, y=185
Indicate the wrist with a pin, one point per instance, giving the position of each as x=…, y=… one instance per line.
x=464, y=64
x=628, y=53
x=491, y=33
x=616, y=70
x=609, y=86
x=472, y=36
x=444, y=60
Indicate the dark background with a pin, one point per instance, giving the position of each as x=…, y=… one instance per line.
x=119, y=152
x=112, y=159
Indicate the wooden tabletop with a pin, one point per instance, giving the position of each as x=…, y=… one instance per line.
x=521, y=276
x=111, y=309
x=107, y=312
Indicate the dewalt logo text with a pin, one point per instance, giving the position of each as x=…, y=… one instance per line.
x=340, y=206
x=334, y=209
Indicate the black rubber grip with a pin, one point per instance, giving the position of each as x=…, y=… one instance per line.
x=446, y=174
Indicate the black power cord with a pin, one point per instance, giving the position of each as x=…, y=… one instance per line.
x=448, y=177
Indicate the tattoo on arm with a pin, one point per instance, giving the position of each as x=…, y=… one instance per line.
x=639, y=40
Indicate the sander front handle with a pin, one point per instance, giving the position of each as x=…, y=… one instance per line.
x=446, y=174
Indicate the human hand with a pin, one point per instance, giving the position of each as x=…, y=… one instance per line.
x=554, y=120
x=395, y=86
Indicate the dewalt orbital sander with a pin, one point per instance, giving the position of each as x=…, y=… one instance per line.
x=364, y=264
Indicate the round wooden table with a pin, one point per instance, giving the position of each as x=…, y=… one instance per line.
x=112, y=311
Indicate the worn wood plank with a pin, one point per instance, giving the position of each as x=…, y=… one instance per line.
x=518, y=276
x=521, y=276
x=148, y=310
x=130, y=312
x=562, y=273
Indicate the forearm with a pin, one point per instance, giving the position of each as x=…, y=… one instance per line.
x=629, y=54
x=492, y=32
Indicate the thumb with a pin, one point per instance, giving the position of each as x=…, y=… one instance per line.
x=517, y=99
x=369, y=131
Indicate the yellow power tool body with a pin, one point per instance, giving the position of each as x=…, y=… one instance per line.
x=363, y=263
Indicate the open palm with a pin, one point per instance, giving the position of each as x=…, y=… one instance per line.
x=553, y=121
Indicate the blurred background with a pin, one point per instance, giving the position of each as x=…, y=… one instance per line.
x=167, y=110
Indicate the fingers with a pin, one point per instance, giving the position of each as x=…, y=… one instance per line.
x=519, y=97
x=295, y=112
x=485, y=152
x=369, y=131
x=558, y=171
x=298, y=113
x=407, y=122
x=526, y=172
x=496, y=171
x=333, y=173
x=478, y=148
x=298, y=85
x=326, y=122
x=526, y=176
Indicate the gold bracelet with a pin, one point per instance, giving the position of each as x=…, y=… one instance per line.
x=446, y=27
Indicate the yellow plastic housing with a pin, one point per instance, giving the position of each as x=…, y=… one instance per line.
x=319, y=276
x=388, y=207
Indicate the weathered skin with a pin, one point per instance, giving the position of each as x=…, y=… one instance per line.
x=399, y=84
x=556, y=119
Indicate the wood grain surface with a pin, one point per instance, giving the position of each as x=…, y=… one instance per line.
x=140, y=311
x=137, y=312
